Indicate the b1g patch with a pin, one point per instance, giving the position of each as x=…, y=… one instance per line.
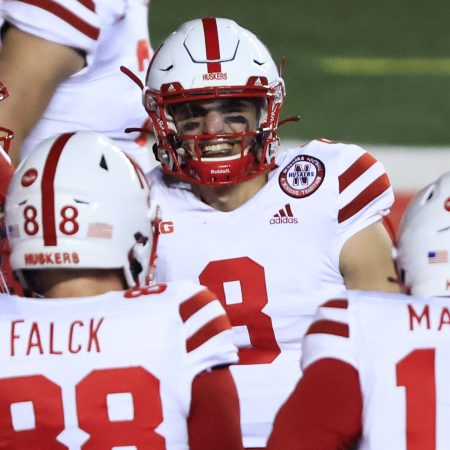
x=302, y=176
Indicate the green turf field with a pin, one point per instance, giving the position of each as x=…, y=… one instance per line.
x=357, y=71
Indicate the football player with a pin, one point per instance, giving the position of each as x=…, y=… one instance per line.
x=94, y=362
x=8, y=284
x=376, y=364
x=61, y=62
x=6, y=168
x=273, y=234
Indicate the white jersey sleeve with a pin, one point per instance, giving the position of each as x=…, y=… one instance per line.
x=99, y=97
x=365, y=193
x=329, y=336
x=207, y=331
x=400, y=347
x=67, y=22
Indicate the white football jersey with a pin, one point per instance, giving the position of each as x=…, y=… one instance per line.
x=273, y=260
x=100, y=97
x=400, y=346
x=111, y=371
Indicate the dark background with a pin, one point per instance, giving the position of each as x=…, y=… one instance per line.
x=373, y=72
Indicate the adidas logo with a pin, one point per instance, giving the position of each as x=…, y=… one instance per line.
x=284, y=215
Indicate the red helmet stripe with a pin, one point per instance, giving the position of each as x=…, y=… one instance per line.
x=48, y=189
x=212, y=44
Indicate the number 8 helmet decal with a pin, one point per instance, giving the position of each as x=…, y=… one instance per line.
x=76, y=202
x=211, y=59
x=423, y=242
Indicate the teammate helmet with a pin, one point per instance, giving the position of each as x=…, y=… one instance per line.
x=76, y=202
x=424, y=241
x=211, y=59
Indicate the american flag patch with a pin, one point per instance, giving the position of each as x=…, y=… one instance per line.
x=13, y=231
x=100, y=230
x=437, y=257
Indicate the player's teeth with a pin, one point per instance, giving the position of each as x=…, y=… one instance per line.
x=216, y=147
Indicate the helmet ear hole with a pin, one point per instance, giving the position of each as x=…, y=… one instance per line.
x=103, y=164
x=430, y=194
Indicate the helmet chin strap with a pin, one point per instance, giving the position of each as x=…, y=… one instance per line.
x=150, y=275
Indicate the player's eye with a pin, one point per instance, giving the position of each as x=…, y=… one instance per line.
x=236, y=119
x=191, y=125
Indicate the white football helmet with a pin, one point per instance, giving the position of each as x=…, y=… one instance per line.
x=210, y=59
x=423, y=242
x=77, y=202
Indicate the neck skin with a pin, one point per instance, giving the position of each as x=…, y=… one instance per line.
x=77, y=283
x=230, y=196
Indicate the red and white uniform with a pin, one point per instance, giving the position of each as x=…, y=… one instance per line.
x=6, y=172
x=400, y=347
x=273, y=260
x=99, y=97
x=7, y=282
x=109, y=371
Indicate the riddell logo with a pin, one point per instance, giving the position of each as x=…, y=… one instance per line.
x=284, y=215
x=214, y=76
x=219, y=171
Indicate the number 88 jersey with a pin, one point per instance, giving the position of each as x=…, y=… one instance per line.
x=109, y=371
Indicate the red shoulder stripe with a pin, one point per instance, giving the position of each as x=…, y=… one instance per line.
x=329, y=327
x=370, y=193
x=208, y=331
x=89, y=4
x=340, y=303
x=190, y=306
x=66, y=15
x=363, y=163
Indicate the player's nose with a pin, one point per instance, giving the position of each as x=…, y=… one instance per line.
x=213, y=123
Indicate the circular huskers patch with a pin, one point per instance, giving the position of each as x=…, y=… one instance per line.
x=302, y=176
x=29, y=177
